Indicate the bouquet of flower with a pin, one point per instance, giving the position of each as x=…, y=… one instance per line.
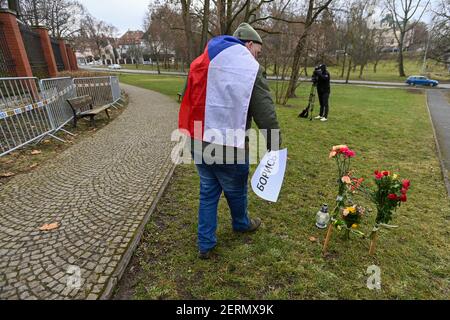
x=388, y=195
x=342, y=155
x=350, y=220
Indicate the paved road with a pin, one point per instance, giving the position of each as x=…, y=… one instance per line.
x=100, y=191
x=440, y=114
x=357, y=82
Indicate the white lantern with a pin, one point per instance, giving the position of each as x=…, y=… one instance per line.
x=323, y=217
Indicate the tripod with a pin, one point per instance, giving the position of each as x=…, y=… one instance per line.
x=310, y=108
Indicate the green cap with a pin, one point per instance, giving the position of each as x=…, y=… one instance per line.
x=245, y=32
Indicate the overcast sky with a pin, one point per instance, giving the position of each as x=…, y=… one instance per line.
x=123, y=14
x=129, y=14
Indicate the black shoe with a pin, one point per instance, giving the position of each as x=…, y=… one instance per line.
x=205, y=255
x=254, y=225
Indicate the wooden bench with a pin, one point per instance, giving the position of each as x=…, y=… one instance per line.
x=79, y=105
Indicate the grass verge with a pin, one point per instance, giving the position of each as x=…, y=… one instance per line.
x=389, y=129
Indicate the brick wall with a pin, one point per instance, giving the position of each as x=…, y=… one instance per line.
x=48, y=51
x=15, y=43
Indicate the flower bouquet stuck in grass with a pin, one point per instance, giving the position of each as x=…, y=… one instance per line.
x=342, y=155
x=388, y=195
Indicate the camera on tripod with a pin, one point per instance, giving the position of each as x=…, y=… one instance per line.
x=316, y=73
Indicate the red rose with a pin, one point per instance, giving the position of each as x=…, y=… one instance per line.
x=392, y=196
x=379, y=176
x=406, y=184
x=386, y=173
x=403, y=198
x=404, y=190
x=376, y=172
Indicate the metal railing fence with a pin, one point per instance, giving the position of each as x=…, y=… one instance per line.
x=23, y=114
x=31, y=110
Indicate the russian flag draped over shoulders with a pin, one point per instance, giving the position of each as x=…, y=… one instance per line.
x=218, y=92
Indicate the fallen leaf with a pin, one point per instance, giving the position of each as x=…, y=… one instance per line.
x=34, y=152
x=46, y=141
x=312, y=239
x=34, y=165
x=7, y=174
x=49, y=227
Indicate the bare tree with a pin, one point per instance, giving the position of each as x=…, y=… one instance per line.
x=163, y=34
x=440, y=33
x=361, y=35
x=135, y=52
x=403, y=12
x=62, y=17
x=377, y=53
x=95, y=34
x=315, y=8
x=32, y=12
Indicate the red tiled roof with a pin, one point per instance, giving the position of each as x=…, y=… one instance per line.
x=131, y=37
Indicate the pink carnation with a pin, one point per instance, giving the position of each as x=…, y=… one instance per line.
x=349, y=153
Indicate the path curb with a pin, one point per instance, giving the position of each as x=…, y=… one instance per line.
x=438, y=149
x=123, y=264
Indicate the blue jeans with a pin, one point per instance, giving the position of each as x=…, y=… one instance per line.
x=232, y=179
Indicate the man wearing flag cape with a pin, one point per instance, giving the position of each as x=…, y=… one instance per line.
x=226, y=89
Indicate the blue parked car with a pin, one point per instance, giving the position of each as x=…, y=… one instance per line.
x=421, y=81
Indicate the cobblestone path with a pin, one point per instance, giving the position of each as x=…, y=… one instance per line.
x=100, y=191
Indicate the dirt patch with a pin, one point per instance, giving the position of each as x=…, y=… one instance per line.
x=415, y=91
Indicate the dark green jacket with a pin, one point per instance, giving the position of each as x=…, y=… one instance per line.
x=262, y=111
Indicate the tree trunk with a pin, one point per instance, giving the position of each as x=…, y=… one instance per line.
x=361, y=70
x=186, y=7
x=229, y=17
x=290, y=93
x=205, y=25
x=157, y=65
x=343, y=65
x=221, y=16
x=348, y=70
x=375, y=66
x=247, y=12
x=401, y=68
x=305, y=66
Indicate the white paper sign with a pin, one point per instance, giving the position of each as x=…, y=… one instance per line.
x=268, y=178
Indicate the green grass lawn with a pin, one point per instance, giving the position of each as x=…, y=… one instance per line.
x=389, y=129
x=387, y=70
x=168, y=85
x=150, y=67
